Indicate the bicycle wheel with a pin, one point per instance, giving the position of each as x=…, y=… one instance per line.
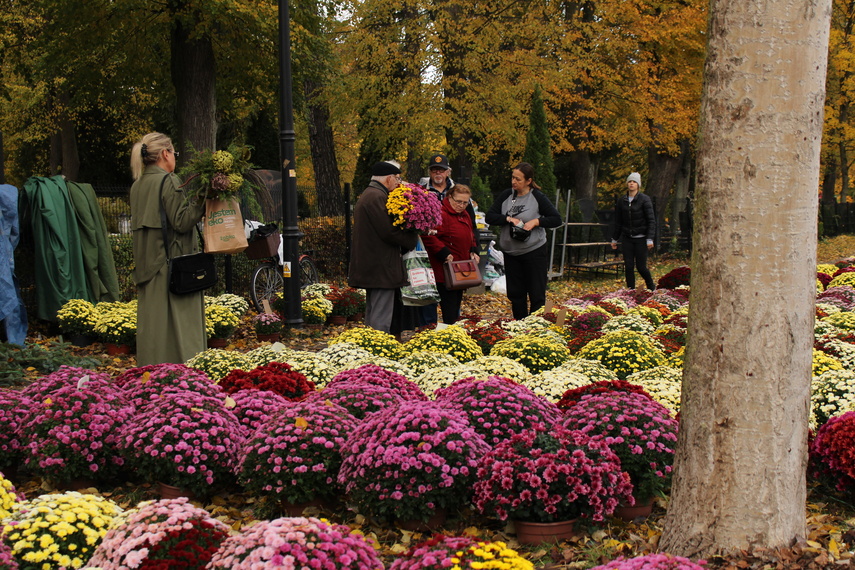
x=308, y=271
x=267, y=282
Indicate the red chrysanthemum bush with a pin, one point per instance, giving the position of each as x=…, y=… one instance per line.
x=832, y=452
x=276, y=377
x=498, y=407
x=572, y=397
x=675, y=278
x=486, y=335
x=162, y=535
x=552, y=476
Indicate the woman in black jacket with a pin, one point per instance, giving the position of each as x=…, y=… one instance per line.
x=635, y=227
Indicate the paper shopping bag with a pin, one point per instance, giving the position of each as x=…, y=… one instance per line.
x=224, y=231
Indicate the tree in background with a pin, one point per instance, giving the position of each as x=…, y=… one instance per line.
x=538, y=149
x=740, y=465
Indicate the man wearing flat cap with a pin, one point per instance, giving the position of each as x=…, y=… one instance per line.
x=377, y=247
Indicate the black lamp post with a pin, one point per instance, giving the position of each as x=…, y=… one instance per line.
x=291, y=233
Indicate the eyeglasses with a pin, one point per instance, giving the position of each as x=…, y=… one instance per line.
x=459, y=202
x=398, y=179
x=175, y=153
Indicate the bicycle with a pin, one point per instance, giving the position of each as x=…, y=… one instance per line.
x=267, y=281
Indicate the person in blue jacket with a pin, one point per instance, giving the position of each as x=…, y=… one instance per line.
x=635, y=228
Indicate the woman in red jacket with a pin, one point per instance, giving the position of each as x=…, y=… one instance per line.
x=453, y=241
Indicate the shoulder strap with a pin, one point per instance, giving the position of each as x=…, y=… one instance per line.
x=164, y=222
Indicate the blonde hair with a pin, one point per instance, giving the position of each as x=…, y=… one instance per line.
x=147, y=150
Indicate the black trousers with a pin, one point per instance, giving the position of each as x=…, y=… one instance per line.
x=526, y=279
x=449, y=302
x=635, y=257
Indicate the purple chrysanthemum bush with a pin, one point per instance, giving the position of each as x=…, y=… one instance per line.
x=550, y=476
x=296, y=543
x=498, y=407
x=295, y=455
x=72, y=429
x=183, y=439
x=253, y=408
x=408, y=461
x=653, y=562
x=146, y=383
x=13, y=406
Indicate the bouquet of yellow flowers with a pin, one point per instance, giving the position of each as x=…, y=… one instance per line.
x=412, y=207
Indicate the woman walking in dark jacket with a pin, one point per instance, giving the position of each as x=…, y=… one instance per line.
x=635, y=227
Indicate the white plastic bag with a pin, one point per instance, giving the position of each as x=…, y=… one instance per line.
x=421, y=287
x=500, y=285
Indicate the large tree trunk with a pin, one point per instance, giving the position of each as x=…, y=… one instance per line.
x=194, y=78
x=327, y=181
x=739, y=478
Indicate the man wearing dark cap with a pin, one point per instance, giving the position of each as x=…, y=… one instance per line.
x=377, y=246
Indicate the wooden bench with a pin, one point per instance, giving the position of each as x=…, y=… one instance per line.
x=590, y=253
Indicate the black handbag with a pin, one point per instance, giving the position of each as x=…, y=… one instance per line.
x=186, y=273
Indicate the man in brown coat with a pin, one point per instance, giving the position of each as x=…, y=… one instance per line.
x=375, y=258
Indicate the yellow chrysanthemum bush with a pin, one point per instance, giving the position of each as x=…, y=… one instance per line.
x=220, y=321
x=76, y=317
x=624, y=352
x=847, y=278
x=661, y=382
x=823, y=363
x=534, y=351
x=451, y=340
x=376, y=342
x=8, y=497
x=421, y=361
x=59, y=530
x=551, y=384
x=828, y=268
x=843, y=320
x=116, y=322
x=461, y=553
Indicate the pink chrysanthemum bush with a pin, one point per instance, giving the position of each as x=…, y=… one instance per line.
x=297, y=543
x=161, y=535
x=653, y=562
x=358, y=398
x=832, y=452
x=460, y=553
x=296, y=454
x=406, y=462
x=253, y=407
x=64, y=376
x=377, y=376
x=7, y=562
x=183, y=439
x=498, y=407
x=13, y=406
x=638, y=429
x=553, y=476
x=72, y=431
x=145, y=383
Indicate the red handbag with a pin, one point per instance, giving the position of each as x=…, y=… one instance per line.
x=461, y=274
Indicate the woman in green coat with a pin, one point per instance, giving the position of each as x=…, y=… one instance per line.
x=170, y=328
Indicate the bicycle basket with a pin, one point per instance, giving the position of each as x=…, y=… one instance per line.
x=263, y=247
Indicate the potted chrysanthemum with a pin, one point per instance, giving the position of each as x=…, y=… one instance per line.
x=59, y=530
x=624, y=352
x=540, y=478
x=268, y=327
x=253, y=407
x=463, y=552
x=411, y=463
x=639, y=430
x=14, y=405
x=831, y=452
x=116, y=326
x=536, y=352
x=656, y=561
x=76, y=320
x=451, y=340
x=71, y=433
x=376, y=342
x=220, y=323
x=277, y=377
x=497, y=407
x=295, y=455
x=315, y=310
x=183, y=440
x=216, y=363
x=161, y=534
x=376, y=376
x=360, y=399
x=8, y=497
x=310, y=542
